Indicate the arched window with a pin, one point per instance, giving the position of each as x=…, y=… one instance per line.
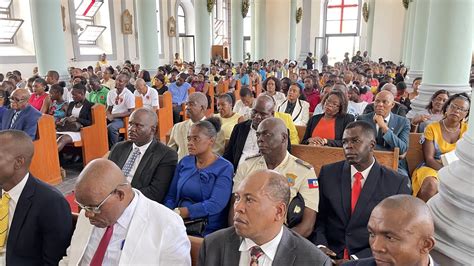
x=181, y=20
x=341, y=28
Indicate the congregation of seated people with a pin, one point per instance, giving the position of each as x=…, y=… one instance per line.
x=226, y=172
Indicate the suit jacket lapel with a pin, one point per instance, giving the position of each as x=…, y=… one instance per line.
x=367, y=191
x=124, y=154
x=346, y=191
x=22, y=208
x=285, y=254
x=231, y=250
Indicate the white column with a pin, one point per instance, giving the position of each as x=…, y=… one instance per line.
x=147, y=34
x=292, y=40
x=253, y=33
x=202, y=20
x=305, y=31
x=370, y=28
x=411, y=18
x=405, y=36
x=237, y=29
x=260, y=29
x=448, y=50
x=450, y=42
x=419, y=41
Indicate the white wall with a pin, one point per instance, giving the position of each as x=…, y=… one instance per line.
x=277, y=29
x=388, y=30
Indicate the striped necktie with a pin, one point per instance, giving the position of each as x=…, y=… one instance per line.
x=4, y=218
x=255, y=253
x=127, y=167
x=14, y=118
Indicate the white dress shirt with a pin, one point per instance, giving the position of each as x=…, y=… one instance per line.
x=387, y=119
x=142, y=149
x=117, y=241
x=269, y=249
x=250, y=147
x=15, y=194
x=364, y=173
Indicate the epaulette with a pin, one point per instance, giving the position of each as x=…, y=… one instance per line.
x=253, y=156
x=303, y=163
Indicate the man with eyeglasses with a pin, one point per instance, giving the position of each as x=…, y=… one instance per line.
x=35, y=218
x=118, y=225
x=21, y=115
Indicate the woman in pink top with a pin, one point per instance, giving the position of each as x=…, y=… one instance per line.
x=40, y=99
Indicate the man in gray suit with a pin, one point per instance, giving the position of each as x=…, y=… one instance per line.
x=148, y=164
x=258, y=236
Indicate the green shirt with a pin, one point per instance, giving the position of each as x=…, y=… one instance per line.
x=99, y=96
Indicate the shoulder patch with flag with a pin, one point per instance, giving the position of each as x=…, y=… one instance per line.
x=313, y=183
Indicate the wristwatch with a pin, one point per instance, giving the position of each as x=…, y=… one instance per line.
x=177, y=211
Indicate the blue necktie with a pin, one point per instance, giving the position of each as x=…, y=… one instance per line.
x=130, y=162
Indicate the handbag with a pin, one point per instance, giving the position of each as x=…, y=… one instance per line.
x=195, y=227
x=67, y=125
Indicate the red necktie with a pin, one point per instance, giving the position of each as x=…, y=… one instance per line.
x=255, y=253
x=102, y=248
x=356, y=188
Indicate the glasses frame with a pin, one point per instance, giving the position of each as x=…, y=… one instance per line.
x=14, y=99
x=96, y=209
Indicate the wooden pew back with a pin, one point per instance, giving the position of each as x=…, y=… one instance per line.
x=319, y=156
x=45, y=162
x=94, y=141
x=196, y=243
x=301, y=130
x=415, y=152
x=165, y=116
x=210, y=92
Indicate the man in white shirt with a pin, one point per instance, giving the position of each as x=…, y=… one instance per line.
x=149, y=95
x=258, y=236
x=120, y=104
x=118, y=225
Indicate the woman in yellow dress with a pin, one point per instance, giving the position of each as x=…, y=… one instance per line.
x=440, y=138
x=228, y=118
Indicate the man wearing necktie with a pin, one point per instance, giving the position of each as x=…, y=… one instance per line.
x=259, y=236
x=35, y=218
x=393, y=131
x=118, y=225
x=349, y=190
x=21, y=115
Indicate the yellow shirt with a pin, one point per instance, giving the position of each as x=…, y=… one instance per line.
x=228, y=124
x=294, y=139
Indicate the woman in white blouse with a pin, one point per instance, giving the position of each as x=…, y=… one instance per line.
x=298, y=109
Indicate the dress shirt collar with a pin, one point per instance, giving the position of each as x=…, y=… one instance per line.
x=283, y=163
x=142, y=148
x=126, y=217
x=387, y=118
x=365, y=172
x=16, y=191
x=268, y=248
x=431, y=262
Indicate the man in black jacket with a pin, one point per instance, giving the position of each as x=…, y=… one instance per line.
x=148, y=164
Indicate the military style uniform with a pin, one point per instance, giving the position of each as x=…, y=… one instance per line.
x=301, y=176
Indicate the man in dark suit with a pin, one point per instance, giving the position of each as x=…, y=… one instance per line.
x=393, y=131
x=349, y=190
x=148, y=164
x=258, y=236
x=36, y=227
x=406, y=219
x=398, y=109
x=21, y=115
x=243, y=140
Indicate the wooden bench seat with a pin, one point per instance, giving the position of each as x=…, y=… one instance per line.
x=94, y=141
x=319, y=156
x=45, y=162
x=165, y=116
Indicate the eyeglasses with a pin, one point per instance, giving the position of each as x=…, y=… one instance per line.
x=457, y=108
x=96, y=209
x=15, y=99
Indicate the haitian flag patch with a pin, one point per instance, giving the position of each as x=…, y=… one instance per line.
x=313, y=183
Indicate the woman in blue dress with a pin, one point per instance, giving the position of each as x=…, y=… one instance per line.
x=202, y=182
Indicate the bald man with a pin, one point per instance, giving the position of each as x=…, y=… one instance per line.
x=149, y=95
x=393, y=131
x=398, y=109
x=118, y=225
x=261, y=205
x=21, y=115
x=36, y=226
x=272, y=140
x=196, y=108
x=147, y=163
x=401, y=232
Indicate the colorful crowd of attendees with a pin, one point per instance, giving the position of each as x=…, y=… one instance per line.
x=233, y=167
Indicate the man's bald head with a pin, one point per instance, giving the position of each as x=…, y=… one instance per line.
x=390, y=88
x=276, y=125
x=140, y=82
x=99, y=175
x=18, y=143
x=16, y=154
x=272, y=137
x=23, y=93
x=266, y=101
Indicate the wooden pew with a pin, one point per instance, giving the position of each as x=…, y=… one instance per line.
x=45, y=162
x=319, y=156
x=210, y=92
x=94, y=141
x=196, y=243
x=415, y=152
x=165, y=116
x=222, y=87
x=301, y=130
x=238, y=85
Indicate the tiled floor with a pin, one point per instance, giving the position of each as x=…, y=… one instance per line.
x=72, y=171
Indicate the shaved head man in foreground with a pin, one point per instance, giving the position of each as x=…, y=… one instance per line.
x=401, y=232
x=118, y=225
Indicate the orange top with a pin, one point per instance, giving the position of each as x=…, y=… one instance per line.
x=325, y=129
